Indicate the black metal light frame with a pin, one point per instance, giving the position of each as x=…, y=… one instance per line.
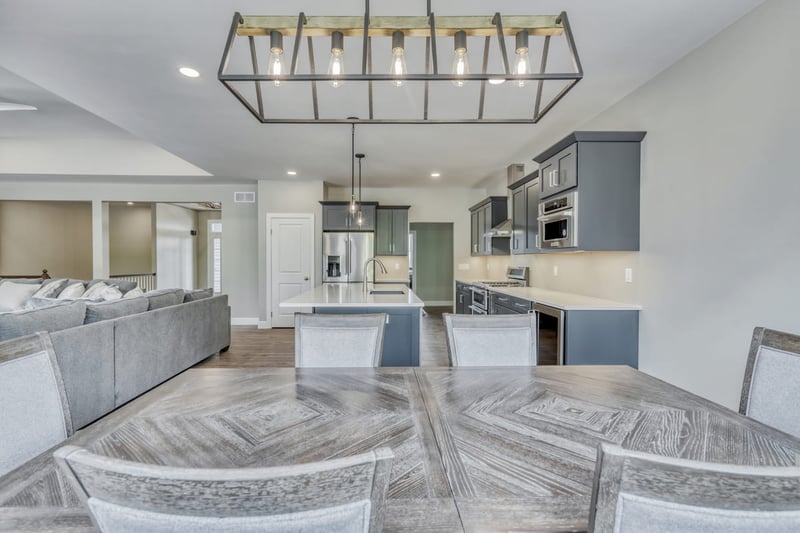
x=431, y=74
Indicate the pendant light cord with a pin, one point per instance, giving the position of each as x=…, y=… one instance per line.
x=353, y=161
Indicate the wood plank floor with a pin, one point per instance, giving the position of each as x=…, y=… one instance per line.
x=254, y=348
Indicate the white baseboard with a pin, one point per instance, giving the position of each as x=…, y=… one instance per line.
x=263, y=324
x=438, y=303
x=244, y=321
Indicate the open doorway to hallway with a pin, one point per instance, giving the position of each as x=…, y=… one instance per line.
x=432, y=258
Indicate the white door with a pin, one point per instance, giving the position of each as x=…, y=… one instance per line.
x=290, y=249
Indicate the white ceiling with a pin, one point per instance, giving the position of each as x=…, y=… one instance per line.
x=112, y=105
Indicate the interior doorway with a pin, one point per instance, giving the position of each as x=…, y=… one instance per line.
x=433, y=262
x=290, y=263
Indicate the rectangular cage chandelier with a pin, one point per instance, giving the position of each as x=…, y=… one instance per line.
x=492, y=30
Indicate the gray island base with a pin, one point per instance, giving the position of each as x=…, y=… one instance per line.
x=403, y=308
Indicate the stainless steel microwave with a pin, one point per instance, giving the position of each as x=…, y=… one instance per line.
x=558, y=221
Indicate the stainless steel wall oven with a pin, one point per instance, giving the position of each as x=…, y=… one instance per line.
x=558, y=221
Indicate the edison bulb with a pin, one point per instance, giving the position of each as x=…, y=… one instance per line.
x=398, y=66
x=522, y=66
x=460, y=66
x=336, y=66
x=275, y=65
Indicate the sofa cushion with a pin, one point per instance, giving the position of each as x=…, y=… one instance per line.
x=123, y=285
x=50, y=288
x=15, y=295
x=99, y=311
x=198, y=294
x=53, y=318
x=134, y=293
x=94, y=292
x=164, y=298
x=72, y=290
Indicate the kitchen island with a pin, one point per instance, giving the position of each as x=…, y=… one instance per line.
x=404, y=309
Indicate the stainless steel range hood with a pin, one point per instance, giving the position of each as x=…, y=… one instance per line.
x=514, y=172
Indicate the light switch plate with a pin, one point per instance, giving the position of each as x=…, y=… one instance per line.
x=555, y=270
x=628, y=275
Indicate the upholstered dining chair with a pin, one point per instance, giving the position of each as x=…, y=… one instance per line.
x=344, y=494
x=771, y=388
x=338, y=340
x=34, y=413
x=480, y=340
x=635, y=492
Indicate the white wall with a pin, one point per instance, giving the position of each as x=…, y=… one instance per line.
x=720, y=218
x=239, y=251
x=285, y=196
x=175, y=246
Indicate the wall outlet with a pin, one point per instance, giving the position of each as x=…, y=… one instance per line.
x=555, y=270
x=628, y=275
x=397, y=266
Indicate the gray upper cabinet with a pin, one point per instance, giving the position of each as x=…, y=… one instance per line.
x=391, y=230
x=336, y=216
x=559, y=172
x=603, y=169
x=484, y=216
x=525, y=210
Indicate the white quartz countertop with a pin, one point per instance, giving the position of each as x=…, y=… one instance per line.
x=353, y=295
x=563, y=300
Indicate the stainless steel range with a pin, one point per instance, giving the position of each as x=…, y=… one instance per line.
x=515, y=277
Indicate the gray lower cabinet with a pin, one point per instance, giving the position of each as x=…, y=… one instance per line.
x=391, y=230
x=524, y=215
x=463, y=298
x=400, y=337
x=601, y=338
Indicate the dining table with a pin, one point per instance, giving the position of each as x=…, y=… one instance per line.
x=476, y=449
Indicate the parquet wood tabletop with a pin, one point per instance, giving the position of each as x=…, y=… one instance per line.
x=483, y=449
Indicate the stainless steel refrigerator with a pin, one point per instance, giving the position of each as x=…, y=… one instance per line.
x=344, y=254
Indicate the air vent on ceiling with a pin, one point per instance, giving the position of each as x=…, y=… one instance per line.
x=244, y=197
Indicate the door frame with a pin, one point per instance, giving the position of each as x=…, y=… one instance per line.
x=268, y=258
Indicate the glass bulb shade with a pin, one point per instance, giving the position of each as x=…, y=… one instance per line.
x=336, y=66
x=360, y=218
x=460, y=65
x=398, y=66
x=522, y=66
x=276, y=67
x=353, y=204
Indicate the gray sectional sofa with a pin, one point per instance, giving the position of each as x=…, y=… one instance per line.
x=111, y=352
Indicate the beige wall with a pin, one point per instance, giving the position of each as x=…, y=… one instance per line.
x=130, y=235
x=240, y=261
x=52, y=235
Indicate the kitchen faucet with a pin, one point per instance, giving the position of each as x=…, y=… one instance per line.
x=366, y=272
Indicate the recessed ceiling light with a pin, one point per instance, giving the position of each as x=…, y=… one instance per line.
x=189, y=72
x=11, y=106
x=435, y=174
x=496, y=81
x=130, y=203
x=292, y=172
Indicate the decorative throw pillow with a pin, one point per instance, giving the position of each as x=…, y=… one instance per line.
x=134, y=293
x=50, y=289
x=70, y=292
x=112, y=292
x=95, y=292
x=15, y=295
